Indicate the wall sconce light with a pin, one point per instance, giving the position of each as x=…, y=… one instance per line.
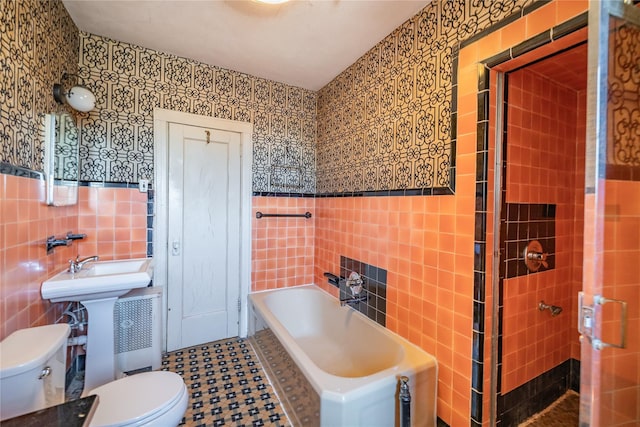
x=79, y=97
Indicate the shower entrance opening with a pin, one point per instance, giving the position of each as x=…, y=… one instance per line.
x=540, y=240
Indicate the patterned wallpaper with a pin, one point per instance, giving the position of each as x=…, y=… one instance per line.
x=385, y=123
x=388, y=121
x=39, y=42
x=624, y=98
x=130, y=81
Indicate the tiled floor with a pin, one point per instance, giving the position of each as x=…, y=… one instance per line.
x=562, y=413
x=227, y=385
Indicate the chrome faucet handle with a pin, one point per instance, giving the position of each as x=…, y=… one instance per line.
x=355, y=283
x=78, y=264
x=534, y=257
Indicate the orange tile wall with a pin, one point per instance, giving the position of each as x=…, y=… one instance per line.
x=115, y=228
x=25, y=224
x=115, y=222
x=545, y=164
x=426, y=246
x=620, y=369
x=282, y=248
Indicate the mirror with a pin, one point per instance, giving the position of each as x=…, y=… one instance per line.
x=61, y=159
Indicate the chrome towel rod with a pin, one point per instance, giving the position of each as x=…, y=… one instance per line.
x=304, y=215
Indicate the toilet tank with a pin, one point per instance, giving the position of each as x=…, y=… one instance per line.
x=32, y=369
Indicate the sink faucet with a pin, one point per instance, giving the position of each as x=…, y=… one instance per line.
x=77, y=264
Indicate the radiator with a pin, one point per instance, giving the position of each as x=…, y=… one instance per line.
x=137, y=324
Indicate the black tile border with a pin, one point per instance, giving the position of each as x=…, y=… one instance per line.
x=108, y=184
x=526, y=222
x=151, y=196
x=538, y=393
x=277, y=194
x=503, y=23
x=531, y=44
x=436, y=191
x=480, y=250
x=570, y=26
x=9, y=169
x=623, y=172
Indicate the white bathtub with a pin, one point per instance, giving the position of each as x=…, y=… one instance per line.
x=351, y=362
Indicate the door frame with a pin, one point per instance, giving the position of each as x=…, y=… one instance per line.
x=161, y=120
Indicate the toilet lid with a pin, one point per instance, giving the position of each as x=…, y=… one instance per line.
x=135, y=398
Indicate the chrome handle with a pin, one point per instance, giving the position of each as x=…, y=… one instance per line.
x=587, y=319
x=46, y=371
x=534, y=257
x=600, y=300
x=355, y=283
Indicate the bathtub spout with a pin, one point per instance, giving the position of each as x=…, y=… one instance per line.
x=353, y=300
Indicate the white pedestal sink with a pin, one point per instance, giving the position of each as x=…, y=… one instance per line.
x=97, y=286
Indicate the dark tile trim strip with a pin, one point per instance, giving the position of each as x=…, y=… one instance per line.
x=499, y=58
x=538, y=393
x=503, y=23
x=532, y=7
x=277, y=194
x=541, y=39
x=480, y=238
x=9, y=169
x=476, y=406
x=150, y=218
x=437, y=191
x=531, y=44
x=623, y=173
x=107, y=184
x=570, y=26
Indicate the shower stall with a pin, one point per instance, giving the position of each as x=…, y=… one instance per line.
x=565, y=275
x=541, y=237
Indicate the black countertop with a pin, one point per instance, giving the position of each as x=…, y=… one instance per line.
x=75, y=413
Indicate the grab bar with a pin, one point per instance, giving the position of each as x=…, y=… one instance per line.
x=304, y=215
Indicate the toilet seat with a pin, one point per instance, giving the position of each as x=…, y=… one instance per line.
x=140, y=399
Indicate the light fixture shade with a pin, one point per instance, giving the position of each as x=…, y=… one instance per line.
x=81, y=99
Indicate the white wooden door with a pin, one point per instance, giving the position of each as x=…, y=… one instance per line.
x=203, y=268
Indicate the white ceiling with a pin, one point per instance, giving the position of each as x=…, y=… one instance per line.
x=303, y=43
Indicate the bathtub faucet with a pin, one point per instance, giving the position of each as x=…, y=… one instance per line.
x=353, y=300
x=356, y=285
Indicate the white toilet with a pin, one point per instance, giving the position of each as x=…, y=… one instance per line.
x=32, y=377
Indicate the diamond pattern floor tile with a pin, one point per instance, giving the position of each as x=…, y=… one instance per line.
x=226, y=384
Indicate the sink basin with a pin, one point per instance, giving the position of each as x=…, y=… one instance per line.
x=97, y=280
